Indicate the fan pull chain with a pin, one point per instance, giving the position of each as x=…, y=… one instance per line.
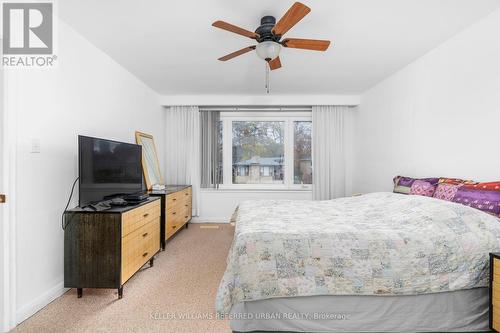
x=268, y=84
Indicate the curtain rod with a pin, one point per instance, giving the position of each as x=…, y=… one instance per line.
x=255, y=108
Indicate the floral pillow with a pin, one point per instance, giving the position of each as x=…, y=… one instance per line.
x=482, y=196
x=403, y=184
x=446, y=191
x=455, y=181
x=492, y=186
x=422, y=187
x=447, y=188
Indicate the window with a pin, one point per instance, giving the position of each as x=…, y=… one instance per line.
x=259, y=149
x=266, y=150
x=302, y=162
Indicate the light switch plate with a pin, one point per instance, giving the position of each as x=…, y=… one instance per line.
x=35, y=146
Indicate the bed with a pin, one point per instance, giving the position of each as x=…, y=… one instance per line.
x=377, y=262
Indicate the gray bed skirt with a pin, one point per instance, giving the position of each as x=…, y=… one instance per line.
x=456, y=311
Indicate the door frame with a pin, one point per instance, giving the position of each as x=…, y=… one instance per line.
x=8, y=144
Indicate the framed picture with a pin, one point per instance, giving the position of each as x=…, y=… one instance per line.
x=150, y=162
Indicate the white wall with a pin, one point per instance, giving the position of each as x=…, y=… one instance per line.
x=439, y=116
x=88, y=93
x=219, y=205
x=3, y=239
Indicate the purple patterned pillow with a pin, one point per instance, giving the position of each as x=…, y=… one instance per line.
x=446, y=191
x=422, y=187
x=479, y=198
x=403, y=184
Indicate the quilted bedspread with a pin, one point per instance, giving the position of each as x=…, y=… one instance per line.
x=374, y=244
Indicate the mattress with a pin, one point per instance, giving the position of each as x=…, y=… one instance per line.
x=456, y=311
x=379, y=244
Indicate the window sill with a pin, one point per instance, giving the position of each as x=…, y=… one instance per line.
x=256, y=189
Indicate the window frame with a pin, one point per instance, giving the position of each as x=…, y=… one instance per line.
x=288, y=118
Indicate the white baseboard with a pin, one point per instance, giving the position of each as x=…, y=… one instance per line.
x=40, y=302
x=58, y=290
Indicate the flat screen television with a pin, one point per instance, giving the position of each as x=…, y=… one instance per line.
x=107, y=169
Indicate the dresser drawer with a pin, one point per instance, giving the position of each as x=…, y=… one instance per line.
x=495, y=292
x=136, y=218
x=179, y=197
x=151, y=241
x=496, y=318
x=185, y=213
x=174, y=214
x=178, y=207
x=173, y=199
x=495, y=285
x=496, y=267
x=188, y=211
x=138, y=247
x=186, y=193
x=172, y=228
x=182, y=205
x=496, y=324
x=176, y=218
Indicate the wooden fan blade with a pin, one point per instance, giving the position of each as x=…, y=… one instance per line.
x=237, y=53
x=291, y=18
x=306, y=44
x=237, y=30
x=275, y=63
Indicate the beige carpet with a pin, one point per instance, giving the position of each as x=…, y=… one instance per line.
x=183, y=282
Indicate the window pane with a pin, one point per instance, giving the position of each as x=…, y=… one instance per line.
x=258, y=152
x=302, y=162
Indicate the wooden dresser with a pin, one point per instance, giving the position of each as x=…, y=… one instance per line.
x=176, y=209
x=104, y=249
x=495, y=292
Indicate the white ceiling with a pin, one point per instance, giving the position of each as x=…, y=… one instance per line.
x=172, y=47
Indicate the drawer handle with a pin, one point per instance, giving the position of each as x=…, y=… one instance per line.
x=173, y=213
x=145, y=254
x=174, y=199
x=185, y=205
x=144, y=234
x=145, y=215
x=186, y=193
x=174, y=226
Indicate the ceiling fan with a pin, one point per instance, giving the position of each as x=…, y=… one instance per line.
x=268, y=36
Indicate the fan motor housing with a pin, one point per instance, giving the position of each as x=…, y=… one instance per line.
x=265, y=32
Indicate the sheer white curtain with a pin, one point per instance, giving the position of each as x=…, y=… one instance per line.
x=328, y=145
x=182, y=149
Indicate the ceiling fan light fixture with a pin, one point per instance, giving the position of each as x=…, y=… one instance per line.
x=268, y=50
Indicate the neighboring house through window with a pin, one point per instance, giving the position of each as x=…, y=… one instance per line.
x=266, y=150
